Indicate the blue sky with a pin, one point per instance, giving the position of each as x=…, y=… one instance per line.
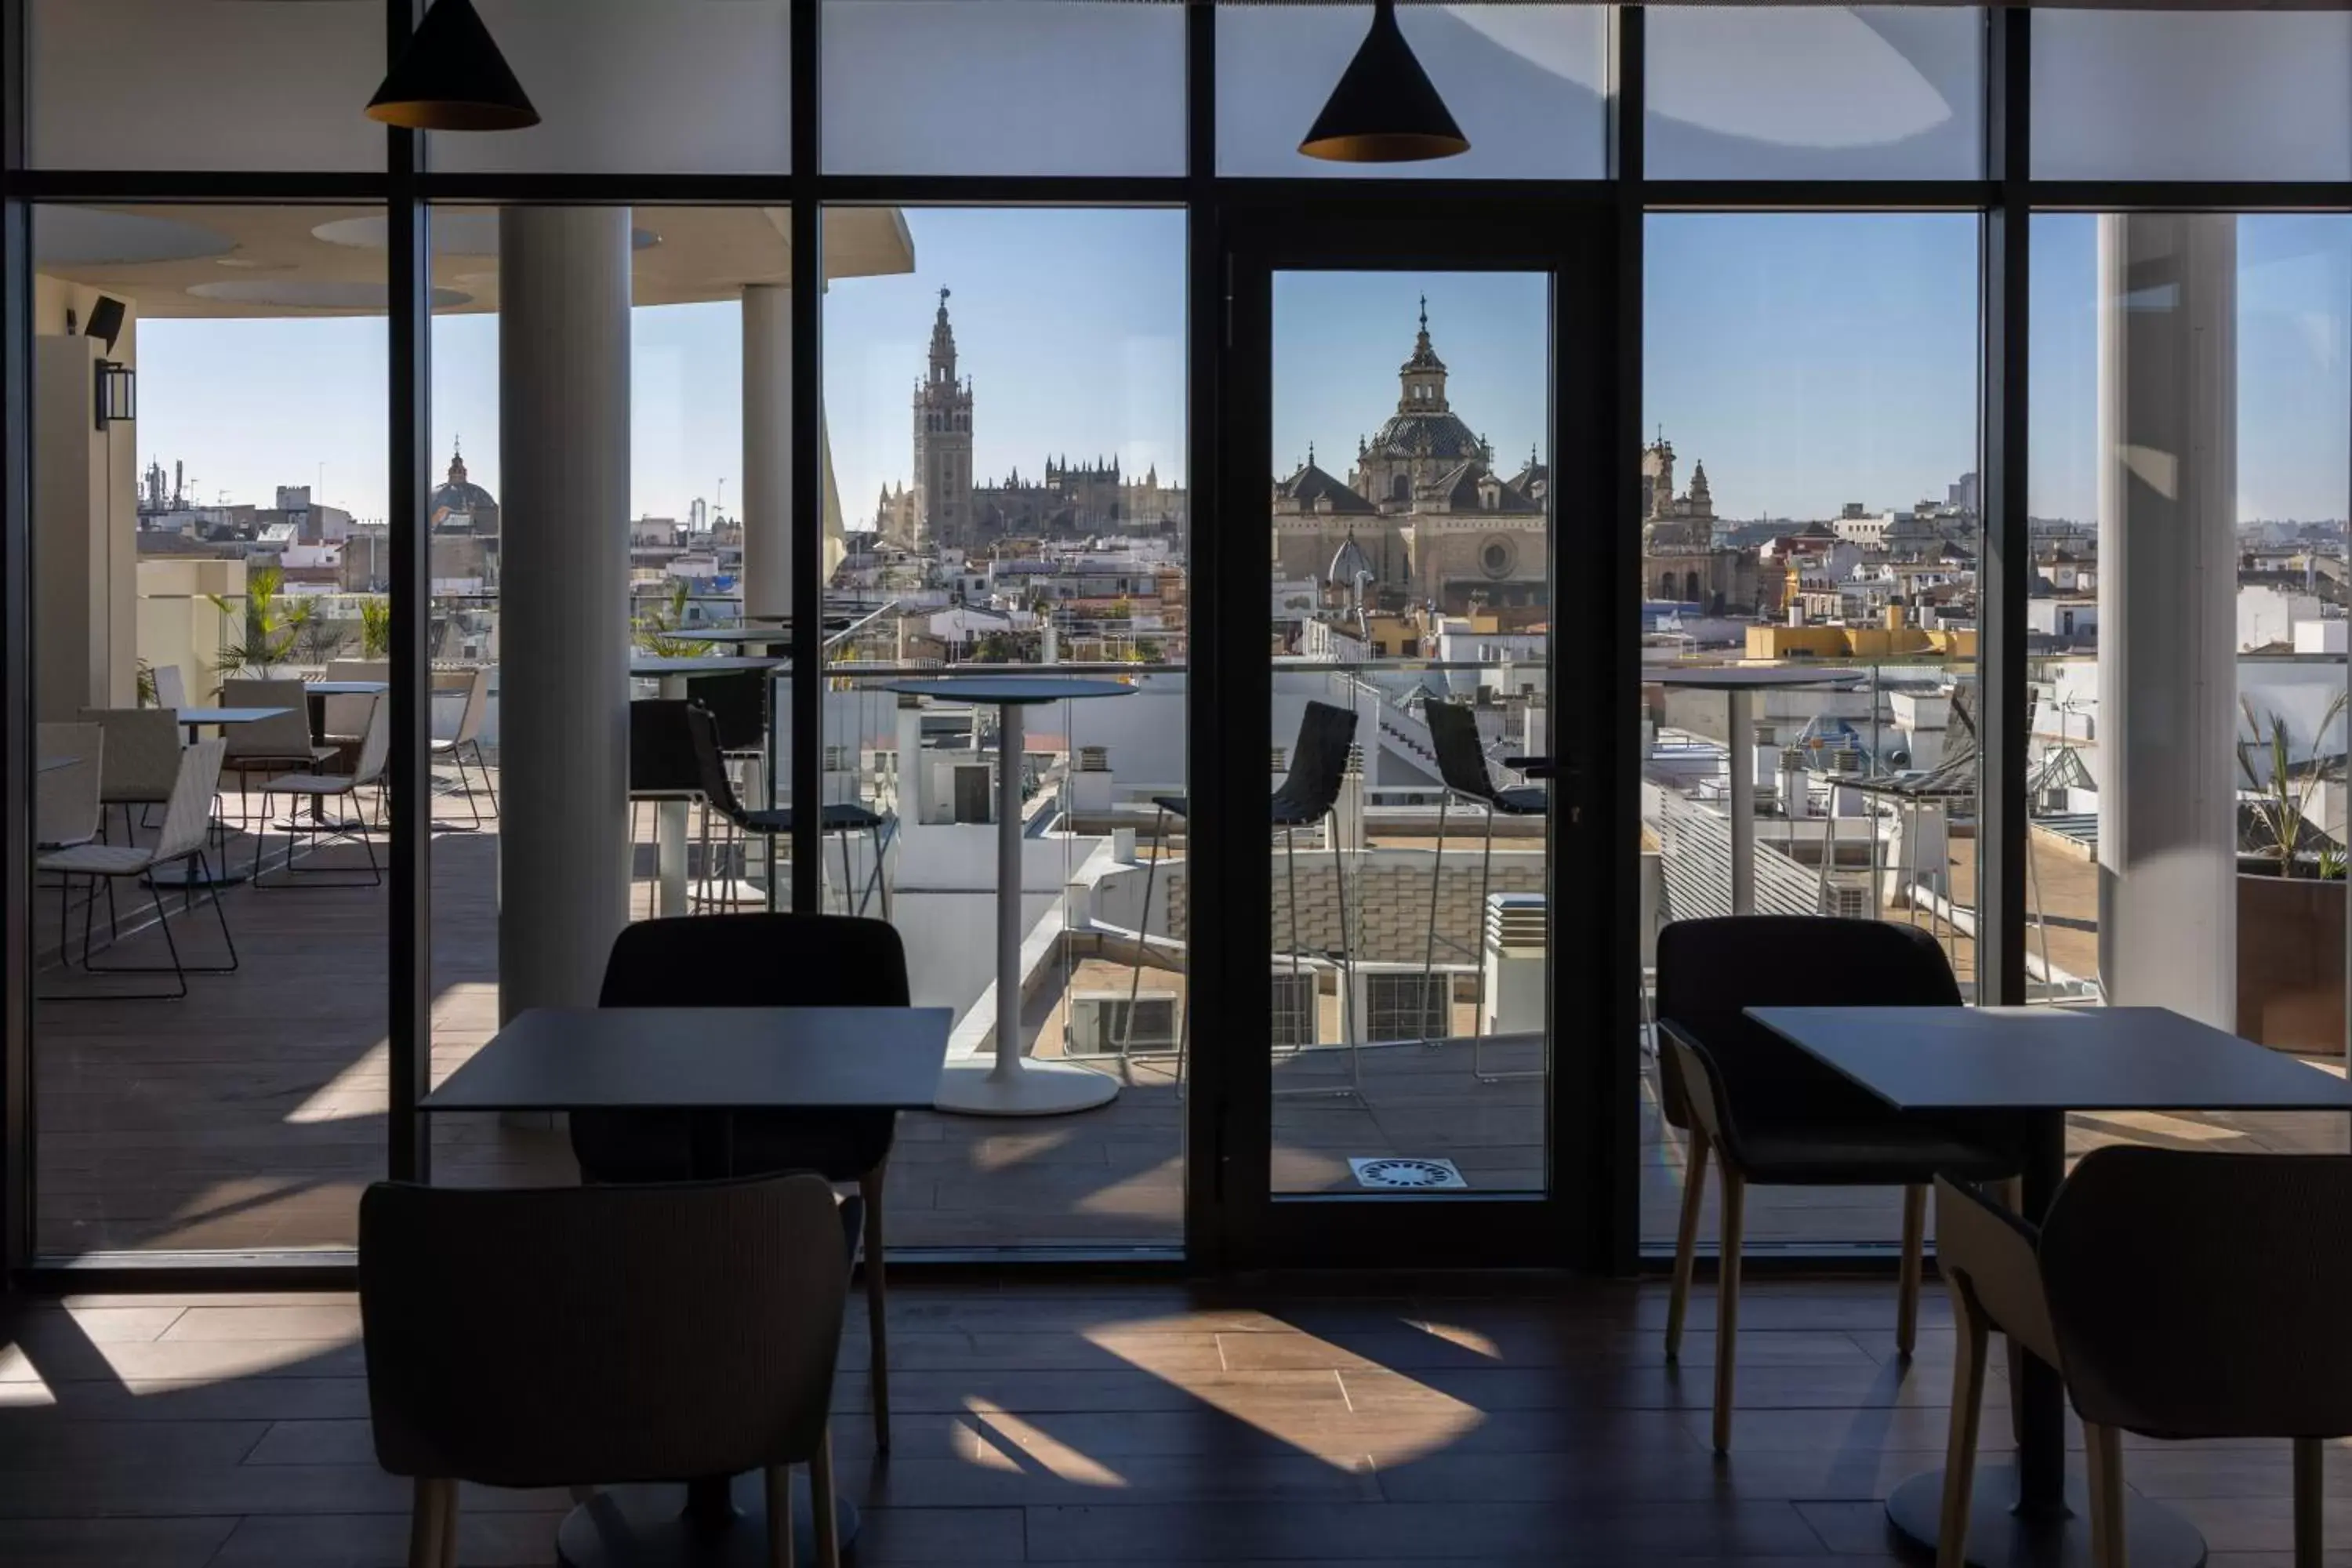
x=1809, y=360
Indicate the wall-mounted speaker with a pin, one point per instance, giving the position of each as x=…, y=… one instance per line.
x=105, y=320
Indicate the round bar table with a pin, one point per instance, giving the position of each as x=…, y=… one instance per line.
x=1012, y=1085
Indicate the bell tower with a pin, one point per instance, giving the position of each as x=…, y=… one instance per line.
x=943, y=441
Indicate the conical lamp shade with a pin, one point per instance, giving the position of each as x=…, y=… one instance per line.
x=452, y=78
x=1384, y=110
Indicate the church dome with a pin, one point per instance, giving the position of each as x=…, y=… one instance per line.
x=459, y=494
x=1441, y=435
x=1350, y=562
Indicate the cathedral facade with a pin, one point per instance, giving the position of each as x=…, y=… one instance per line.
x=1681, y=563
x=945, y=508
x=1429, y=519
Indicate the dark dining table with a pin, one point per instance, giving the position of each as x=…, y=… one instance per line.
x=713, y=1062
x=2031, y=1066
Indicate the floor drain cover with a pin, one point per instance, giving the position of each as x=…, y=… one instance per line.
x=1412, y=1174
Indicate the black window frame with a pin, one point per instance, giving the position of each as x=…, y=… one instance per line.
x=2005, y=198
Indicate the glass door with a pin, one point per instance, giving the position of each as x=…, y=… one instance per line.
x=1399, y=809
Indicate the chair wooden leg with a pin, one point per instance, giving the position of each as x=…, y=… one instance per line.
x=2103, y=1449
x=449, y=1528
x=878, y=1332
x=1726, y=1298
x=2310, y=1500
x=1686, y=1240
x=828, y=1534
x=1914, y=1243
x=1960, y=1448
x=432, y=1508
x=780, y=1515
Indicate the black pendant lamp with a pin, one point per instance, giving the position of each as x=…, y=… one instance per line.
x=1384, y=110
x=452, y=78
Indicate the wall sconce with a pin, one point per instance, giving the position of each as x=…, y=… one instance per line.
x=118, y=393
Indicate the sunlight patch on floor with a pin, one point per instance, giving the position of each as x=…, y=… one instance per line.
x=1006, y=1442
x=360, y=1089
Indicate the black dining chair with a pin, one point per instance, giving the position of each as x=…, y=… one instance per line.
x=1462, y=768
x=760, y=961
x=1771, y=1115
x=1986, y=1254
x=1309, y=790
x=587, y=1336
x=2201, y=1295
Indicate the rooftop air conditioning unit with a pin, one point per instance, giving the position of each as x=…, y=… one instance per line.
x=1516, y=951
x=1101, y=1023
x=1296, y=1008
x=1400, y=1002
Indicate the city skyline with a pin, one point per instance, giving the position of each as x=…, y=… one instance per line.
x=1809, y=360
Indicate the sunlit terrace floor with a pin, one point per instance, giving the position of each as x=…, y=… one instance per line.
x=249, y=1115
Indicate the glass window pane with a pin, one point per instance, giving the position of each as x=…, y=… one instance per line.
x=1007, y=500
x=2192, y=95
x=1810, y=514
x=1003, y=86
x=682, y=87
x=2185, y=767
x=202, y=84
x=1525, y=82
x=1410, y=527
x=207, y=548
x=1858, y=93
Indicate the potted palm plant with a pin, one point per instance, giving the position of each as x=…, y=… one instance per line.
x=274, y=625
x=2291, y=886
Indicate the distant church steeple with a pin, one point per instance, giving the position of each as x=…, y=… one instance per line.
x=943, y=358
x=1421, y=379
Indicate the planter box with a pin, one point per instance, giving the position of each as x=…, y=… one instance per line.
x=2291, y=962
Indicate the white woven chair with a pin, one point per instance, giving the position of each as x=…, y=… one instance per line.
x=64, y=800
x=141, y=762
x=278, y=744
x=181, y=839
x=344, y=716
x=463, y=739
x=375, y=741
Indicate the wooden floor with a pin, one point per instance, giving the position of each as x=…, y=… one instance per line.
x=1099, y=1425
x=250, y=1115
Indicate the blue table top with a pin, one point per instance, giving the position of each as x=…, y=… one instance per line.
x=1011, y=688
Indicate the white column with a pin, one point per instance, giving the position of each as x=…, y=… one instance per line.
x=2168, y=582
x=766, y=449
x=563, y=441
x=1741, y=799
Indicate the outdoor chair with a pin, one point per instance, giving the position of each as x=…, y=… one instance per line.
x=584, y=1336
x=1309, y=793
x=1462, y=769
x=171, y=686
x=66, y=800
x=459, y=739
x=142, y=761
x=663, y=765
x=1770, y=1115
x=760, y=961
x=278, y=744
x=318, y=788
x=842, y=819
x=344, y=716
x=181, y=839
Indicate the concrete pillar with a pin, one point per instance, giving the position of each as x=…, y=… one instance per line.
x=563, y=437
x=766, y=449
x=2168, y=584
